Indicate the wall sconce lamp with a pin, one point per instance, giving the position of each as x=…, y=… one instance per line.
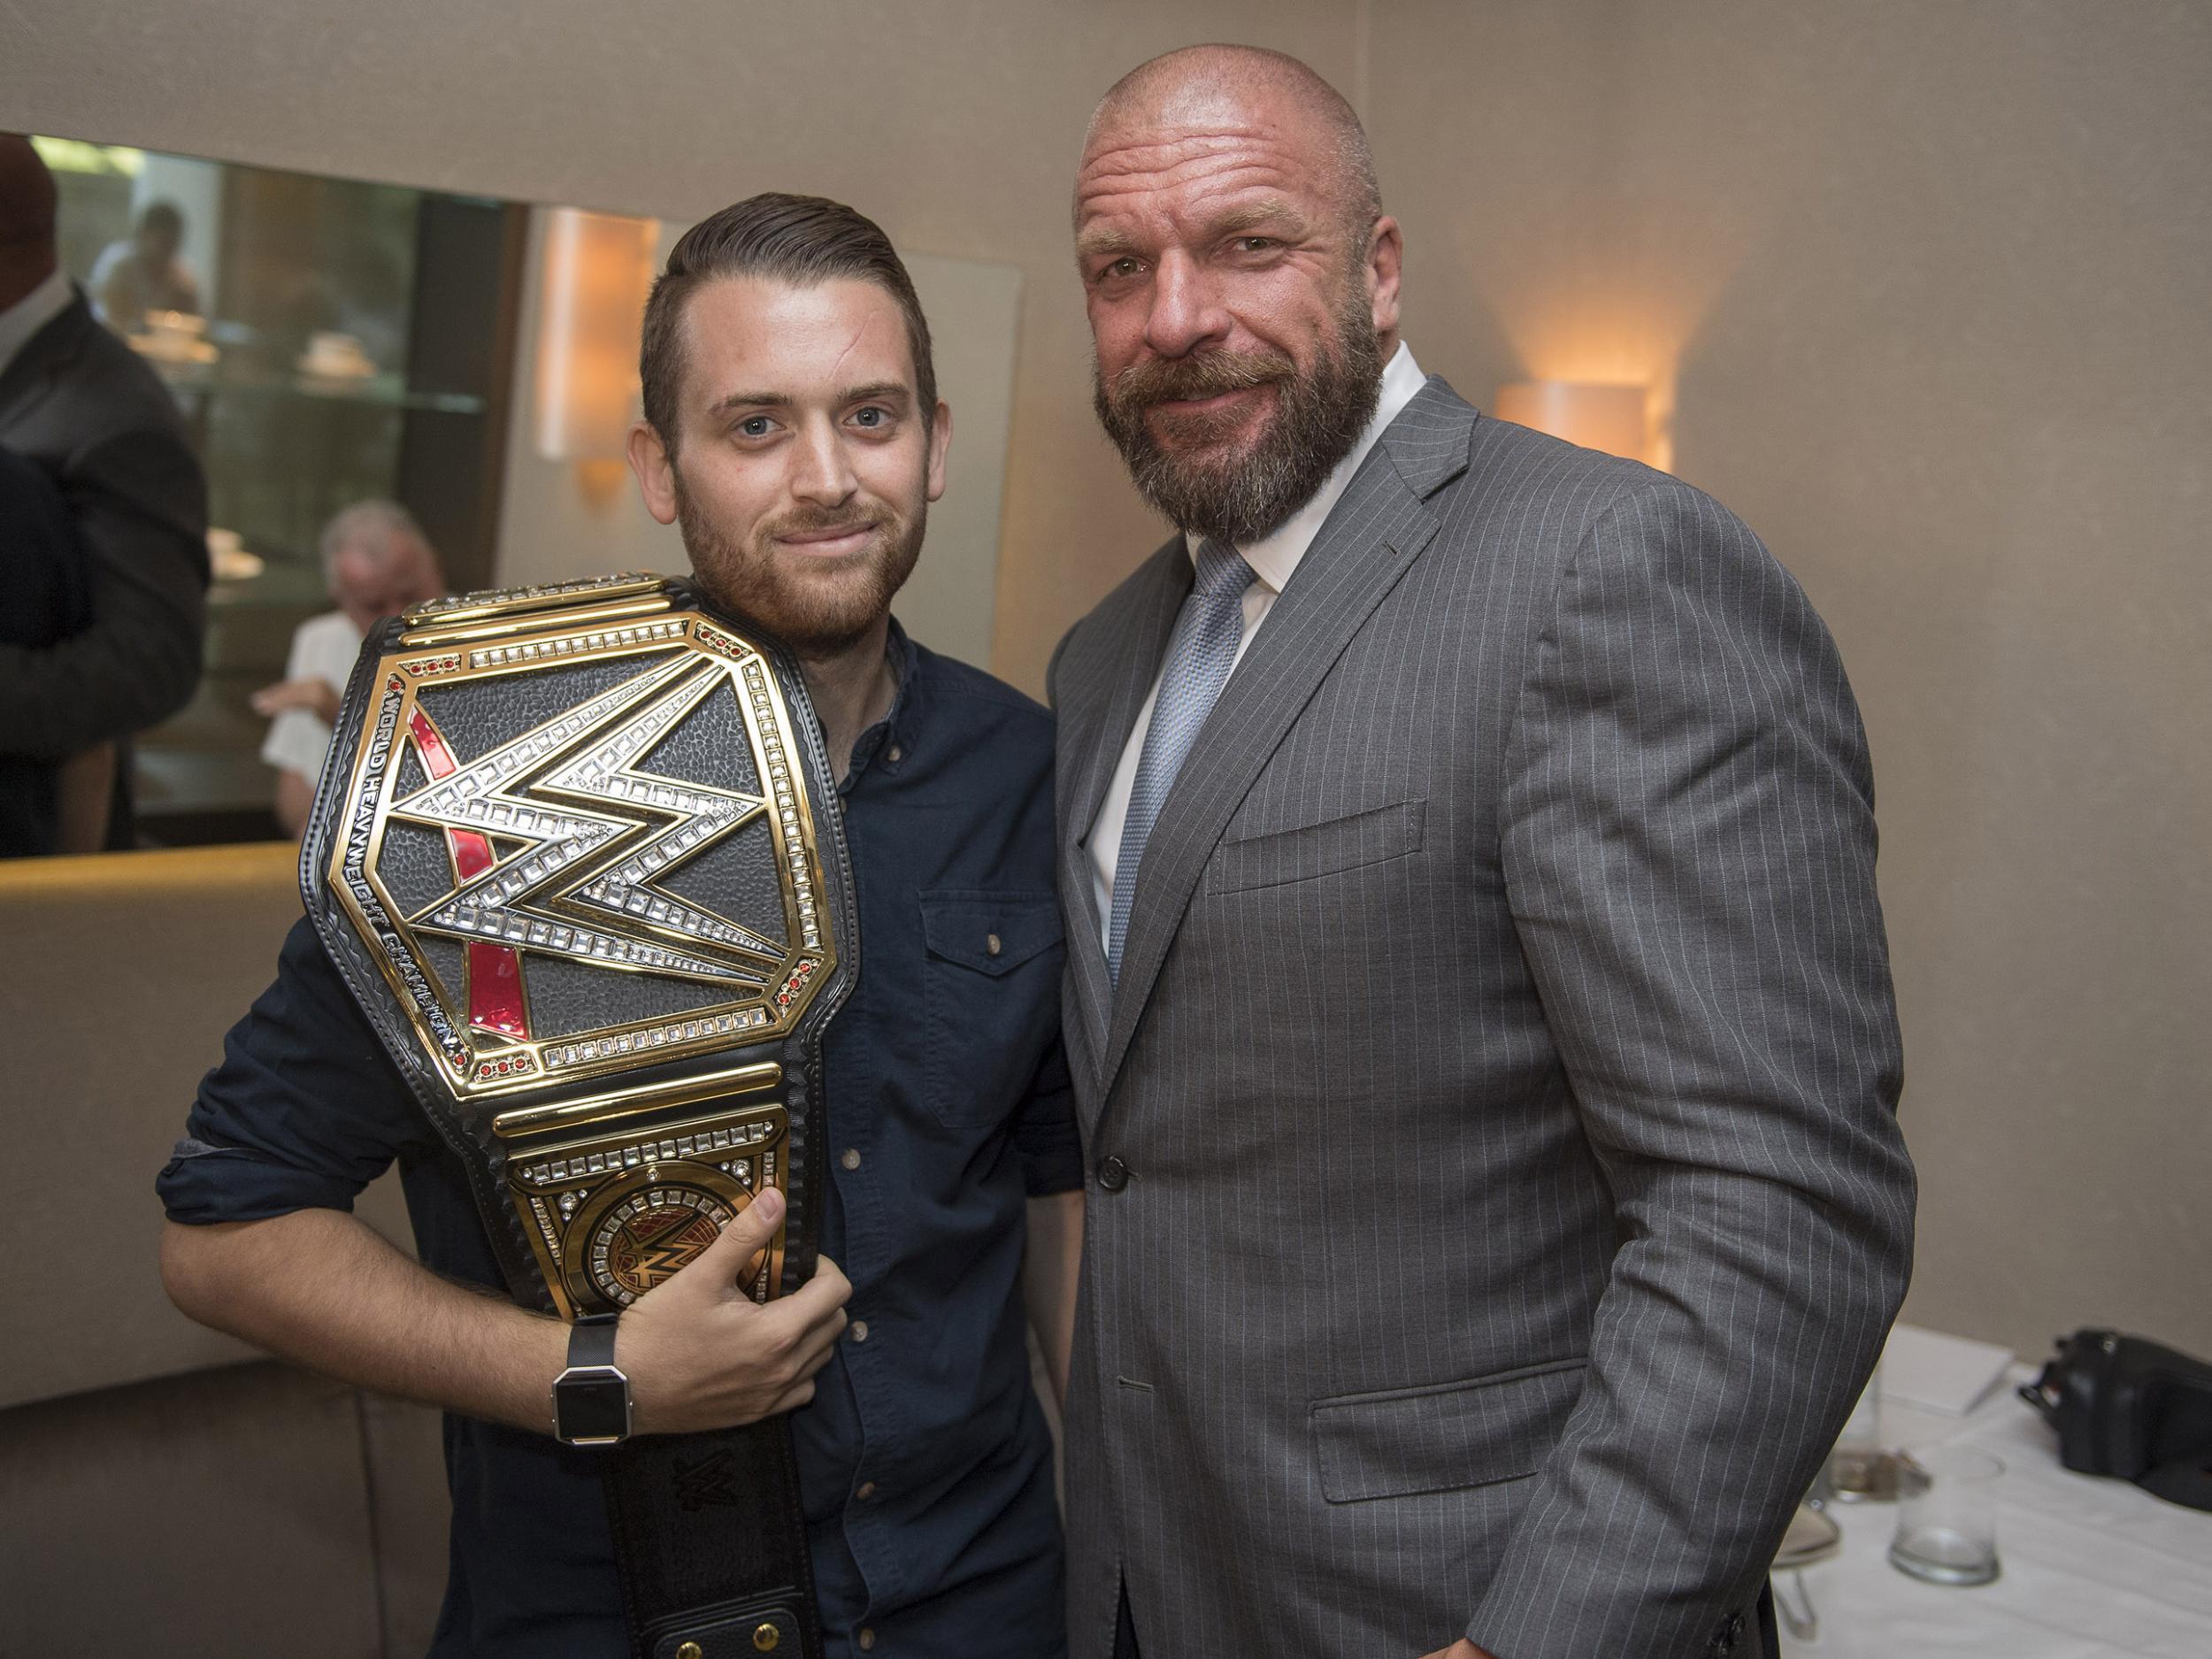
x=597, y=271
x=1609, y=417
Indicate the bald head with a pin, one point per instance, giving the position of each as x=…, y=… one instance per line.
x=1196, y=89
x=378, y=562
x=1241, y=281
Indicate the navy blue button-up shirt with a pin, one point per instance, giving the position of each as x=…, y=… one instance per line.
x=924, y=1462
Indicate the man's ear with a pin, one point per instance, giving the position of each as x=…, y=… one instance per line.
x=656, y=472
x=940, y=441
x=1386, y=255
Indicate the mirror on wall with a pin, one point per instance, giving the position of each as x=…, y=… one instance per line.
x=328, y=342
x=331, y=340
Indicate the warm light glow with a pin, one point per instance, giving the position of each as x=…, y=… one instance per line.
x=1614, y=419
x=598, y=269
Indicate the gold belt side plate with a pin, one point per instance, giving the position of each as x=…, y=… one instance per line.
x=611, y=1215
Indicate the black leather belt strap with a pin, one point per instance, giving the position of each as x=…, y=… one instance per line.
x=709, y=1533
x=577, y=855
x=712, y=1545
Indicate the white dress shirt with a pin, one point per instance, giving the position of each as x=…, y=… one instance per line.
x=1272, y=559
x=323, y=649
x=24, y=319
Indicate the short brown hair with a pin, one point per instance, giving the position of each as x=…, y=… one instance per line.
x=797, y=239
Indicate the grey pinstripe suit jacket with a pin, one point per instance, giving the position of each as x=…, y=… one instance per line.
x=1505, y=1065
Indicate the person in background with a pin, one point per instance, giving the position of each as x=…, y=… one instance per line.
x=376, y=562
x=45, y=595
x=145, y=272
x=80, y=405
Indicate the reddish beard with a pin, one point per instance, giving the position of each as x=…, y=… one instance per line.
x=816, y=604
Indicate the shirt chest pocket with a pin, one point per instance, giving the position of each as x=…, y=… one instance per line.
x=991, y=989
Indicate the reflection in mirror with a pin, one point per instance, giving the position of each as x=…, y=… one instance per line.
x=329, y=343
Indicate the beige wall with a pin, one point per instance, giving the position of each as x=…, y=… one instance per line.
x=1925, y=283
x=1927, y=286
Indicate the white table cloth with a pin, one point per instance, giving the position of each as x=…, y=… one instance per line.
x=2092, y=1569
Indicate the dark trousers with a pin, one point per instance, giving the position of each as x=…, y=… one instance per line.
x=1125, y=1630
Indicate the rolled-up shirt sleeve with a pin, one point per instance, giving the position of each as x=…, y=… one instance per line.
x=303, y=1111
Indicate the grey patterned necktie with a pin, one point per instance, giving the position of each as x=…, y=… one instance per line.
x=1200, y=654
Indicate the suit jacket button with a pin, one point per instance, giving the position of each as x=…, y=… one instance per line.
x=1113, y=1174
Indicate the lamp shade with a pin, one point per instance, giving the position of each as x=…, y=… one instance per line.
x=597, y=271
x=1607, y=417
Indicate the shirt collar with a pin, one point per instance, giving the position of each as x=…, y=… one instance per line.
x=1273, y=557
x=891, y=737
x=19, y=324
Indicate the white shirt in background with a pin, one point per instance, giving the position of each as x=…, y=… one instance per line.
x=24, y=319
x=323, y=647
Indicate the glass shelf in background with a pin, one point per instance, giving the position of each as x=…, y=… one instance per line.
x=384, y=390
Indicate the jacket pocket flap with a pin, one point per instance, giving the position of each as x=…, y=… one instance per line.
x=1443, y=1437
x=1335, y=844
x=991, y=932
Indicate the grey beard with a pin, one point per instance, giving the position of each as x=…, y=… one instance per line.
x=1318, y=418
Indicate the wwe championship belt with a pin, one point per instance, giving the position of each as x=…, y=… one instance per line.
x=577, y=854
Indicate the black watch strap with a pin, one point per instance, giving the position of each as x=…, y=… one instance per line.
x=591, y=1342
x=591, y=1398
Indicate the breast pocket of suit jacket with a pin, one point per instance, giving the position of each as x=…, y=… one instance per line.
x=1308, y=852
x=991, y=989
x=1444, y=1436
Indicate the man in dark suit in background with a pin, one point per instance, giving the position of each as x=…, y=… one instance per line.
x=79, y=402
x=1477, y=998
x=45, y=595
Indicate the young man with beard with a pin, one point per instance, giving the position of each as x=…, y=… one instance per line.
x=794, y=432
x=1477, y=986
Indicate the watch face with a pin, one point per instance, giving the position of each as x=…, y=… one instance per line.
x=593, y=1407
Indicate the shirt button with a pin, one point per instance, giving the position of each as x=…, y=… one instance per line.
x=867, y=1491
x=1113, y=1174
x=851, y=1160
x=867, y=1640
x=896, y=754
x=859, y=1331
x=992, y=946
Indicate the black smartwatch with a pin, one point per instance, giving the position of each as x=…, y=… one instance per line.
x=591, y=1399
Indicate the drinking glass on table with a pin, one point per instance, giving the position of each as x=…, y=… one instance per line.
x=1947, y=1515
x=1858, y=1467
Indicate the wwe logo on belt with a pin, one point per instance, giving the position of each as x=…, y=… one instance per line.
x=709, y=1480
x=596, y=832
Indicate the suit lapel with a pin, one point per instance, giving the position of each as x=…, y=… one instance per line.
x=1375, y=532
x=1099, y=717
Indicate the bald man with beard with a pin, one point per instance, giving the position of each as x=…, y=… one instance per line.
x=1477, y=993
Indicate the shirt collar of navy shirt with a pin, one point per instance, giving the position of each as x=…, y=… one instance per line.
x=891, y=736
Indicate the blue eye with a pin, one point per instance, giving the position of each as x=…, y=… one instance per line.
x=870, y=417
x=755, y=425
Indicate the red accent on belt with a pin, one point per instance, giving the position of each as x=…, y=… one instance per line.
x=494, y=971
